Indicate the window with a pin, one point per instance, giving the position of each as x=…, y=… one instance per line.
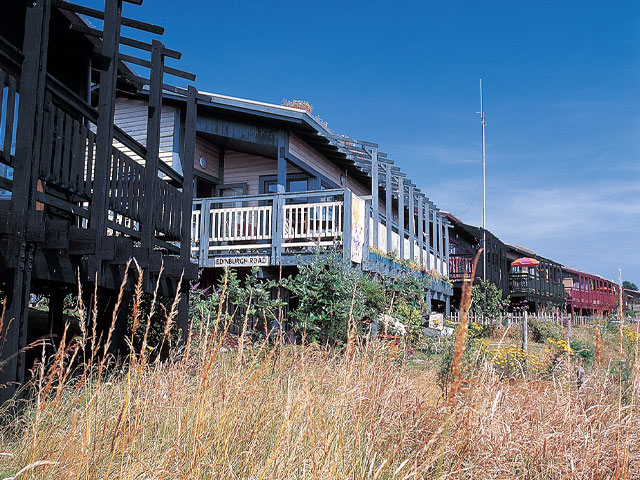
x=295, y=183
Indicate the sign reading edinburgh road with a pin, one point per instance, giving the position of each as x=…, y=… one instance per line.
x=242, y=261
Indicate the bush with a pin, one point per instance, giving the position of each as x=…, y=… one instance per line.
x=541, y=330
x=584, y=351
x=325, y=290
x=496, y=305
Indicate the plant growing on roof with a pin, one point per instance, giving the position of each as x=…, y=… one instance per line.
x=298, y=104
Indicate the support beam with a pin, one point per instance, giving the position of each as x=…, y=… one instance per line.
x=27, y=158
x=104, y=132
x=440, y=243
x=427, y=234
x=347, y=227
x=283, y=146
x=389, y=207
x=367, y=243
x=401, y=214
x=153, y=148
x=412, y=223
x=187, y=199
x=421, y=228
x=446, y=247
x=375, y=202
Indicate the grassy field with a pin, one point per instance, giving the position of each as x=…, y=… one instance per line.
x=369, y=410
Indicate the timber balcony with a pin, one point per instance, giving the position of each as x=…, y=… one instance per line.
x=586, y=298
x=530, y=283
x=67, y=183
x=276, y=229
x=267, y=229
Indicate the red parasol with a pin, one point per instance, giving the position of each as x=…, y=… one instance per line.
x=525, y=262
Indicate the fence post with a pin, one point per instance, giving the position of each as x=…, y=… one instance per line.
x=525, y=323
x=569, y=324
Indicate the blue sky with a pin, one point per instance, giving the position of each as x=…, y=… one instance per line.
x=561, y=100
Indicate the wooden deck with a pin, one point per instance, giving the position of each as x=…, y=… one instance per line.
x=80, y=208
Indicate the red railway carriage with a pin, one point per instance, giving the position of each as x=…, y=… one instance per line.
x=586, y=293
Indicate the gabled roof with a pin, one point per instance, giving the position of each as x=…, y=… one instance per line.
x=345, y=152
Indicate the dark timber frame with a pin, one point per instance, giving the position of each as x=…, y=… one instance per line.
x=80, y=208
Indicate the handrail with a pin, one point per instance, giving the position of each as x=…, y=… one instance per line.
x=72, y=99
x=268, y=196
x=12, y=53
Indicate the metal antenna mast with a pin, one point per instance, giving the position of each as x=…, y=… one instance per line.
x=484, y=196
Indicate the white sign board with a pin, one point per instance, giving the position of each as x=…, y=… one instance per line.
x=436, y=321
x=357, y=228
x=242, y=261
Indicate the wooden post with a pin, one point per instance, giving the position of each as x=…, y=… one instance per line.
x=366, y=245
x=412, y=223
x=187, y=205
x=427, y=235
x=104, y=130
x=421, y=228
x=401, y=214
x=283, y=146
x=153, y=150
x=28, y=135
x=279, y=201
x=346, y=225
x=569, y=326
x=278, y=234
x=431, y=234
x=389, y=206
x=525, y=324
x=375, y=202
x=440, y=244
x=205, y=226
x=446, y=247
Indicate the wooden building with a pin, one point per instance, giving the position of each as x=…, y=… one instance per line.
x=464, y=242
x=272, y=183
x=76, y=205
x=631, y=300
x=535, y=289
x=588, y=294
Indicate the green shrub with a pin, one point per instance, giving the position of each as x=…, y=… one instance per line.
x=540, y=330
x=487, y=299
x=583, y=351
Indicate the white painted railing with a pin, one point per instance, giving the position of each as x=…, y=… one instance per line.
x=317, y=223
x=517, y=318
x=196, y=216
x=236, y=224
x=266, y=224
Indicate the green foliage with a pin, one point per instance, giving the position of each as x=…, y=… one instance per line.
x=629, y=285
x=472, y=356
x=327, y=293
x=477, y=330
x=203, y=306
x=374, y=297
x=153, y=326
x=541, y=330
x=495, y=306
x=583, y=351
x=407, y=293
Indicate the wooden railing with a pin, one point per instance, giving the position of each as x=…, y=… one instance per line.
x=516, y=318
x=67, y=165
x=308, y=224
x=459, y=265
x=266, y=223
x=523, y=282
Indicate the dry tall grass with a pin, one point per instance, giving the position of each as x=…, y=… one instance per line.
x=306, y=412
